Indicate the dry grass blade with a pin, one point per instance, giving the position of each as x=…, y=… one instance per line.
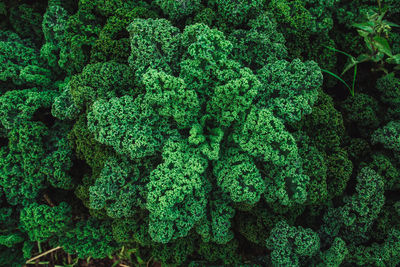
x=43, y=254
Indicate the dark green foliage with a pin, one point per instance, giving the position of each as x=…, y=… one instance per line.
x=206, y=64
x=136, y=131
x=315, y=167
x=198, y=133
x=264, y=136
x=92, y=238
x=42, y=222
x=289, y=89
x=19, y=106
x=63, y=107
x=361, y=209
x=237, y=12
x=290, y=244
x=20, y=61
x=335, y=255
x=340, y=169
x=383, y=254
x=86, y=147
x=170, y=97
x=352, y=221
x=260, y=45
x=9, y=231
x=26, y=20
x=11, y=239
x=326, y=129
x=81, y=30
x=388, y=87
x=386, y=168
x=358, y=148
x=58, y=163
x=238, y=176
x=54, y=27
x=133, y=230
x=231, y=100
x=386, y=222
x=101, y=80
x=305, y=25
x=325, y=124
x=388, y=136
x=178, y=9
x=113, y=42
x=362, y=111
x=226, y=254
x=117, y=189
x=216, y=225
x=154, y=43
x=21, y=176
x=180, y=175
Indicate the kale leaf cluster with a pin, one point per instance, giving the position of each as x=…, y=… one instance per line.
x=196, y=133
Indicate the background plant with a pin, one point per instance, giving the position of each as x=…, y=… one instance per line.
x=375, y=32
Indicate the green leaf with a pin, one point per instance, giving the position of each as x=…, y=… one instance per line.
x=340, y=79
x=383, y=45
x=140, y=260
x=363, y=33
x=354, y=80
x=394, y=59
x=351, y=64
x=365, y=26
x=363, y=57
x=378, y=57
x=391, y=24
x=368, y=44
x=380, y=18
x=339, y=51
